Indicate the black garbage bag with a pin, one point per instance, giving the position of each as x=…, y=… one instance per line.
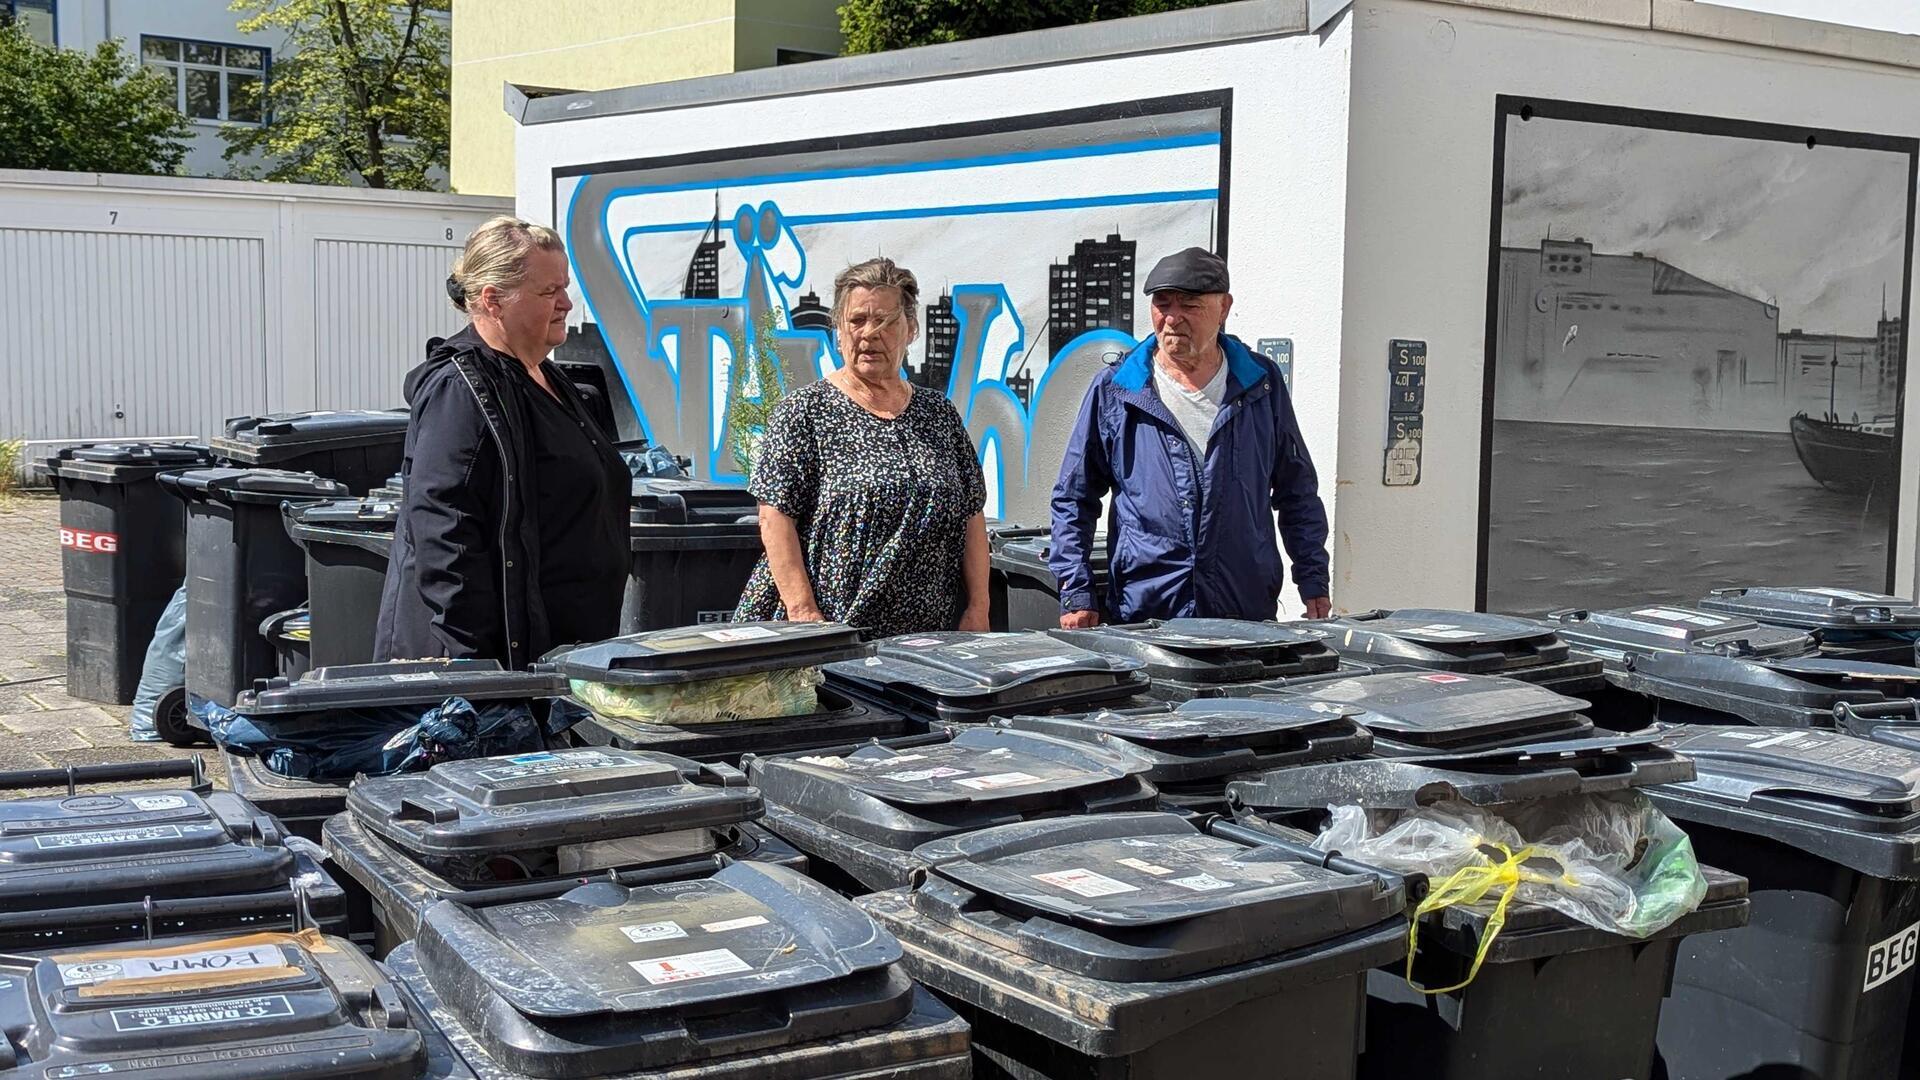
x=339, y=744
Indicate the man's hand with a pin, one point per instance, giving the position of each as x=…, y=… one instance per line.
x=1318, y=607
x=1079, y=620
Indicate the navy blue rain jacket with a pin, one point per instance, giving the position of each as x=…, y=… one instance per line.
x=1176, y=547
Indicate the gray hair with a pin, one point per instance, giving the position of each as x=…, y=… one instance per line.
x=496, y=255
x=878, y=273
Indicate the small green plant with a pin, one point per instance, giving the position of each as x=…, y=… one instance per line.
x=11, y=455
x=754, y=389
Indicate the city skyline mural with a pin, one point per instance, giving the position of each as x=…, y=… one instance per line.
x=1026, y=236
x=1696, y=357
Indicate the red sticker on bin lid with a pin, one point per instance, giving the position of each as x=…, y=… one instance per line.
x=1444, y=678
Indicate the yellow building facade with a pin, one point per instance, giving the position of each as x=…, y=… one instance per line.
x=597, y=44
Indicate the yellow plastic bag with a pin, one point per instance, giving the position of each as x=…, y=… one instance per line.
x=766, y=695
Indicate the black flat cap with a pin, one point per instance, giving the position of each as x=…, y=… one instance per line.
x=1195, y=270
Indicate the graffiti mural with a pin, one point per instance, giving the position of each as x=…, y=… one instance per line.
x=1027, y=236
x=1696, y=356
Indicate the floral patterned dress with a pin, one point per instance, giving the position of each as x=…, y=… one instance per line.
x=881, y=504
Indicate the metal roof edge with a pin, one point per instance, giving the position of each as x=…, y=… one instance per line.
x=258, y=189
x=1163, y=32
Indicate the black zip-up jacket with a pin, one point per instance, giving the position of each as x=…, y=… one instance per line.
x=464, y=576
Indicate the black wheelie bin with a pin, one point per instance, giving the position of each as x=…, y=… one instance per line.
x=694, y=546
x=750, y=973
x=357, y=448
x=260, y=1005
x=1463, y=643
x=1827, y=828
x=954, y=677
x=1554, y=997
x=241, y=567
x=121, y=865
x=1141, y=946
x=1412, y=713
x=1196, y=658
x=672, y=669
x=1024, y=594
x=346, y=544
x=863, y=810
x=492, y=830
x=306, y=714
x=122, y=556
x=1195, y=748
x=1851, y=625
x=1619, y=637
x=1794, y=691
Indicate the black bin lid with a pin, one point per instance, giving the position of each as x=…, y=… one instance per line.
x=901, y=798
x=548, y=799
x=80, y=851
x=1445, y=640
x=1660, y=628
x=278, y=436
x=1024, y=550
x=368, y=514
x=284, y=624
x=1211, y=650
x=1537, y=771
x=1211, y=737
x=123, y=461
x=608, y=980
x=1797, y=689
x=283, y=1005
x=1141, y=897
x=395, y=683
x=1438, y=712
x=690, y=653
x=1818, y=608
x=1849, y=800
x=267, y=487
x=675, y=501
x=987, y=673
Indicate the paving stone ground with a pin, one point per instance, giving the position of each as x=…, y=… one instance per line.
x=41, y=725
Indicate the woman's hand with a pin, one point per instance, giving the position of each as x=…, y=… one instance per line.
x=807, y=613
x=974, y=619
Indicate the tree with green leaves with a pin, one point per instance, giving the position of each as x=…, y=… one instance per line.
x=872, y=26
x=77, y=111
x=359, y=97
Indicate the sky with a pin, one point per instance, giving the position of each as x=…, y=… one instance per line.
x=1900, y=16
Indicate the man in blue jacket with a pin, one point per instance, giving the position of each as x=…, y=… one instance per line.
x=1194, y=437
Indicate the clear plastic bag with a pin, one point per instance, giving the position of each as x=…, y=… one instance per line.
x=1609, y=861
x=765, y=695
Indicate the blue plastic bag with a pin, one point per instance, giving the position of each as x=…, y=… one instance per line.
x=339, y=744
x=165, y=668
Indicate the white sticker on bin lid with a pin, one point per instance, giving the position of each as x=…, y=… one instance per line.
x=1083, y=882
x=1201, y=883
x=1889, y=959
x=915, y=776
x=414, y=676
x=253, y=957
x=159, y=802
x=1144, y=866
x=653, y=931
x=688, y=966
x=916, y=642
x=739, y=633
x=997, y=780
x=1445, y=632
x=201, y=1013
x=103, y=837
x=543, y=764
x=1442, y=677
x=734, y=924
x=1789, y=739
x=1672, y=615
x=1037, y=663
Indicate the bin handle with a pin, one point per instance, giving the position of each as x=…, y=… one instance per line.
x=1413, y=885
x=193, y=769
x=1902, y=709
x=703, y=866
x=1568, y=614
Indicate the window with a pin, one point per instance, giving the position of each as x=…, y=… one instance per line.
x=783, y=57
x=210, y=81
x=35, y=15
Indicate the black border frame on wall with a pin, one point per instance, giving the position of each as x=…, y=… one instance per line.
x=1119, y=110
x=1526, y=108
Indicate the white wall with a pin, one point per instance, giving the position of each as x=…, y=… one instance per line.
x=1287, y=181
x=1425, y=76
x=150, y=306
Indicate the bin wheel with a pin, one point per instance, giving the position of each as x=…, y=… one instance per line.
x=170, y=719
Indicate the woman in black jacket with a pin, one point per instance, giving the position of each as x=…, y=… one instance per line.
x=513, y=534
